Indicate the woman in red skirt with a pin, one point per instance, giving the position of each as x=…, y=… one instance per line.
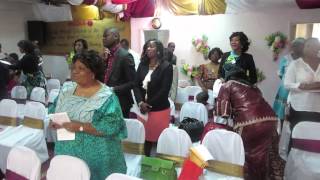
x=154, y=78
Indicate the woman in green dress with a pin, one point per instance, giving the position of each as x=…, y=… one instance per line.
x=96, y=118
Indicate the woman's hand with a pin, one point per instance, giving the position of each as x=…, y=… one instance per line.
x=53, y=125
x=145, y=107
x=72, y=126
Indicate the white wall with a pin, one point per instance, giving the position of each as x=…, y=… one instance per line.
x=219, y=27
x=13, y=18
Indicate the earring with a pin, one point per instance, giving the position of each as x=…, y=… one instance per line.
x=158, y=53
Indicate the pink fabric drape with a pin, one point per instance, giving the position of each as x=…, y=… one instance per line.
x=122, y=1
x=140, y=8
x=308, y=4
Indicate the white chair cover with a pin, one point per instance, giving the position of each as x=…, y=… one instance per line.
x=225, y=146
x=118, y=176
x=183, y=83
x=68, y=168
x=193, y=91
x=136, y=134
x=38, y=94
x=284, y=140
x=216, y=88
x=303, y=164
x=19, y=92
x=8, y=108
x=194, y=110
x=25, y=162
x=182, y=95
x=26, y=136
x=176, y=142
x=172, y=108
x=53, y=95
x=53, y=84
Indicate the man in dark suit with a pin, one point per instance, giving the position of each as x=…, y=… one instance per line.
x=120, y=72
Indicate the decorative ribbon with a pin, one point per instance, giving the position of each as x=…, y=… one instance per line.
x=306, y=145
x=14, y=176
x=133, y=148
x=225, y=168
x=191, y=98
x=177, y=159
x=19, y=101
x=33, y=123
x=8, y=121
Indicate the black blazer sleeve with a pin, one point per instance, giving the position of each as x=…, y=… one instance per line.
x=138, y=84
x=252, y=69
x=164, y=87
x=127, y=64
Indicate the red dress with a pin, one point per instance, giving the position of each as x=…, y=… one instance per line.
x=256, y=122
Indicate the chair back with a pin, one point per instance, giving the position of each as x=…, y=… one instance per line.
x=53, y=95
x=192, y=92
x=68, y=167
x=34, y=115
x=194, y=110
x=182, y=95
x=133, y=146
x=226, y=147
x=183, y=83
x=23, y=162
x=38, y=94
x=174, y=145
x=53, y=84
x=304, y=157
x=8, y=112
x=118, y=176
x=19, y=92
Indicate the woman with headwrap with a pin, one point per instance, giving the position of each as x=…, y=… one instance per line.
x=253, y=119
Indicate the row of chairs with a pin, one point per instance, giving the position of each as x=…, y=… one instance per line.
x=23, y=163
x=19, y=94
x=175, y=143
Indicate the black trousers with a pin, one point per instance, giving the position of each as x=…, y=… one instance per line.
x=297, y=116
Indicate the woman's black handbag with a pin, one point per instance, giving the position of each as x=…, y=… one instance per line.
x=193, y=127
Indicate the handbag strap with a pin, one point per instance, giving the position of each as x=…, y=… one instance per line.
x=225, y=168
x=177, y=159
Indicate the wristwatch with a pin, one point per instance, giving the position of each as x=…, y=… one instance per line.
x=81, y=128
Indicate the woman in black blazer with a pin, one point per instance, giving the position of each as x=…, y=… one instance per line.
x=239, y=43
x=153, y=83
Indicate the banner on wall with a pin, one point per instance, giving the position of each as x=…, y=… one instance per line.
x=61, y=35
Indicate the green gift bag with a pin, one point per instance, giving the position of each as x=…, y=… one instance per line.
x=157, y=169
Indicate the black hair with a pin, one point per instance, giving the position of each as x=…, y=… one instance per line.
x=83, y=42
x=202, y=97
x=167, y=55
x=159, y=47
x=216, y=49
x=14, y=58
x=125, y=42
x=244, y=41
x=93, y=61
x=27, y=46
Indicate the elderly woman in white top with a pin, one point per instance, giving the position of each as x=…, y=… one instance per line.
x=303, y=81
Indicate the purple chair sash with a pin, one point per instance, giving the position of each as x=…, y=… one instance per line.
x=306, y=145
x=20, y=101
x=191, y=98
x=10, y=175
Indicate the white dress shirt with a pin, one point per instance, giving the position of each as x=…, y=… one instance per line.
x=302, y=100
